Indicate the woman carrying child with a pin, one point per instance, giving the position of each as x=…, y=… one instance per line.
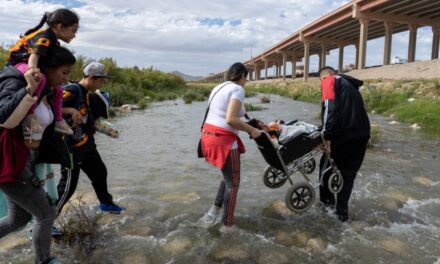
x=25, y=200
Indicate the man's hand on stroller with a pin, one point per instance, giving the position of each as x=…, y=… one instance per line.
x=327, y=146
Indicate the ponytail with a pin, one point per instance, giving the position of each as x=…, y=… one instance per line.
x=40, y=25
x=63, y=16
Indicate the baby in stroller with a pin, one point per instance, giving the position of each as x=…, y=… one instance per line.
x=279, y=131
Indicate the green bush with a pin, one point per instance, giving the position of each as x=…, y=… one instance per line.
x=375, y=136
x=250, y=107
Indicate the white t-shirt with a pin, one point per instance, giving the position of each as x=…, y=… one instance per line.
x=220, y=102
x=44, y=115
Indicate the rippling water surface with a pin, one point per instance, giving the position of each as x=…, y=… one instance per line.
x=154, y=172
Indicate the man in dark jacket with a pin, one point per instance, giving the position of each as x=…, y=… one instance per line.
x=346, y=130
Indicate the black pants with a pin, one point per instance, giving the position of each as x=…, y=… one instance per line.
x=89, y=161
x=348, y=156
x=228, y=189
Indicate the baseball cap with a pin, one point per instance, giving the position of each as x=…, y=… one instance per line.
x=95, y=69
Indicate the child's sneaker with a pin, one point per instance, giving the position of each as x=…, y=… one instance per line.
x=111, y=208
x=63, y=128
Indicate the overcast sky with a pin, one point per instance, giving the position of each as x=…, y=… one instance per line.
x=191, y=36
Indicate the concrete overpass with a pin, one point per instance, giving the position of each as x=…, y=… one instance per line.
x=352, y=24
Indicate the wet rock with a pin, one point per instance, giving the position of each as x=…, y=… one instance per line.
x=234, y=254
x=106, y=219
x=316, y=245
x=136, y=258
x=394, y=245
x=135, y=230
x=180, y=197
x=422, y=180
x=128, y=107
x=178, y=245
x=392, y=204
x=14, y=241
x=273, y=257
x=277, y=209
x=300, y=239
x=284, y=238
x=395, y=200
x=358, y=226
x=379, y=221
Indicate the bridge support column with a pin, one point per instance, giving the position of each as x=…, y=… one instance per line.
x=265, y=70
x=284, y=66
x=306, y=60
x=323, y=55
x=412, y=43
x=294, y=68
x=388, y=43
x=362, y=51
x=435, y=42
x=341, y=58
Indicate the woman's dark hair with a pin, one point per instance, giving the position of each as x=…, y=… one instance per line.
x=63, y=16
x=236, y=71
x=57, y=57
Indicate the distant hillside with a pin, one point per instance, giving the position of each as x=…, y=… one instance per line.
x=187, y=77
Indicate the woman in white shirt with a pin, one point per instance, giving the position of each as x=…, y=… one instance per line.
x=220, y=142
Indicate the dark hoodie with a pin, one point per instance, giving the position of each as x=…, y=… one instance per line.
x=13, y=152
x=12, y=91
x=343, y=112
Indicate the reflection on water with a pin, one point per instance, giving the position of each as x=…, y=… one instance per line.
x=154, y=172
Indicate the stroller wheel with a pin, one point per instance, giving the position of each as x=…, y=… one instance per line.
x=273, y=178
x=335, y=183
x=308, y=166
x=300, y=197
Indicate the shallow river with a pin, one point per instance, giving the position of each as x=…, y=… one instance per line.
x=154, y=172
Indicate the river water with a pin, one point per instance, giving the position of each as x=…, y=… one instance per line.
x=154, y=172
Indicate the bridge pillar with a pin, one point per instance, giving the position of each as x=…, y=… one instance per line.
x=265, y=70
x=412, y=43
x=341, y=58
x=284, y=66
x=323, y=55
x=435, y=42
x=306, y=60
x=388, y=42
x=294, y=67
x=362, y=51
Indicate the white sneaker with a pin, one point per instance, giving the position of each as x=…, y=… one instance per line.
x=210, y=216
x=228, y=229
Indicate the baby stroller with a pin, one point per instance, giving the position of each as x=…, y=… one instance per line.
x=297, y=154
